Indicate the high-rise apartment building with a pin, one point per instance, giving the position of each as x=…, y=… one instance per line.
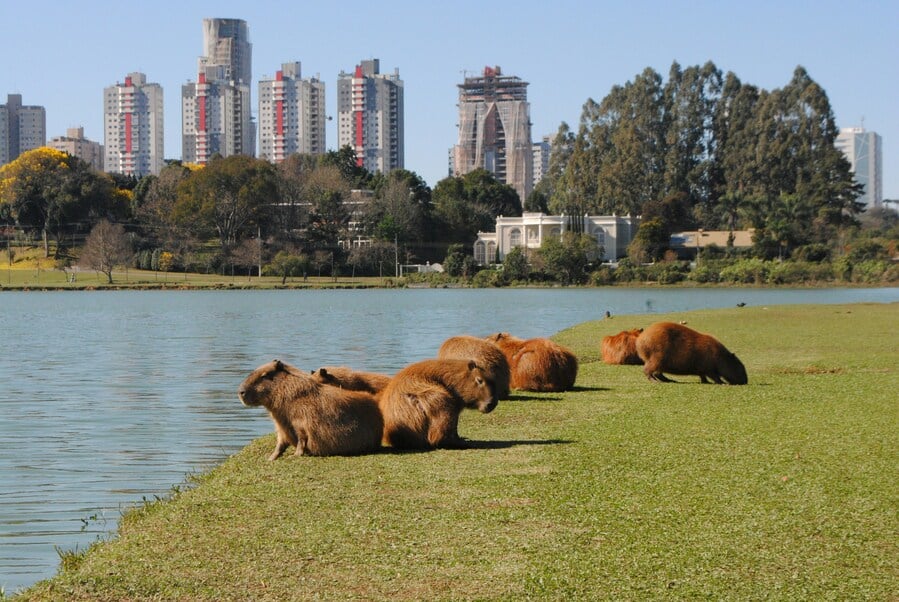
x=291, y=114
x=22, y=128
x=541, y=159
x=77, y=145
x=133, y=132
x=215, y=110
x=495, y=129
x=863, y=151
x=370, y=116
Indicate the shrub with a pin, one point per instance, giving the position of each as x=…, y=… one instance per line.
x=602, y=276
x=704, y=273
x=488, y=279
x=746, y=271
x=812, y=252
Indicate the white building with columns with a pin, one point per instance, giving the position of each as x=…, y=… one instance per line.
x=612, y=232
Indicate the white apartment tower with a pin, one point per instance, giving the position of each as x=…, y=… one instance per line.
x=133, y=132
x=370, y=116
x=22, y=128
x=215, y=110
x=495, y=129
x=863, y=151
x=291, y=114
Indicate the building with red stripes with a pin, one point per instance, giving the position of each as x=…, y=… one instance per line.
x=133, y=132
x=291, y=114
x=370, y=116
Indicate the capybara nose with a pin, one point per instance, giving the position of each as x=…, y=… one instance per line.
x=490, y=406
x=241, y=392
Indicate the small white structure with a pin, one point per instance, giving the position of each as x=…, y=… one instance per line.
x=613, y=233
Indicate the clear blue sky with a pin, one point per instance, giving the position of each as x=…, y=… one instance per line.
x=62, y=54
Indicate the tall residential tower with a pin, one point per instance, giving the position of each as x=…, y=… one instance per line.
x=370, y=116
x=22, y=128
x=215, y=110
x=133, y=132
x=863, y=151
x=291, y=114
x=495, y=129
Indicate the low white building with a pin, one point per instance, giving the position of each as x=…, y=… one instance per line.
x=612, y=232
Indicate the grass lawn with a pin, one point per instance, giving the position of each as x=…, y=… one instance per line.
x=786, y=489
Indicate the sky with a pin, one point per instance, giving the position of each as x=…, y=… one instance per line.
x=62, y=54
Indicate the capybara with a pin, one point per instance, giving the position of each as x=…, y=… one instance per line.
x=317, y=419
x=422, y=403
x=537, y=364
x=677, y=349
x=485, y=354
x=621, y=348
x=352, y=380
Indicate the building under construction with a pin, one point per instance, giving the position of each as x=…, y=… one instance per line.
x=495, y=129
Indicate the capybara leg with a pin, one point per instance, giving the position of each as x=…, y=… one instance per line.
x=302, y=448
x=662, y=378
x=717, y=378
x=703, y=379
x=280, y=446
x=443, y=431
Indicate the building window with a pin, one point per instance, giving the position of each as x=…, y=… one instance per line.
x=479, y=253
x=515, y=238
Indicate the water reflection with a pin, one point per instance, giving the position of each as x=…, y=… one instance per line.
x=115, y=396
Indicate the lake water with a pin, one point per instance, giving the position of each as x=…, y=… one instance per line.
x=112, y=397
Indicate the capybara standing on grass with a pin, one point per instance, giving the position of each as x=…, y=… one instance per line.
x=485, y=354
x=352, y=380
x=422, y=403
x=317, y=419
x=537, y=364
x=621, y=348
x=676, y=349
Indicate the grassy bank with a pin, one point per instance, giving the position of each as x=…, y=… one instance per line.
x=623, y=489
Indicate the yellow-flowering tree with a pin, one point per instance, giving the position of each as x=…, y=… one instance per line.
x=52, y=193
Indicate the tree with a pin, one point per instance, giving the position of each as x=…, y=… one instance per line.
x=471, y=203
x=106, y=247
x=515, y=265
x=651, y=241
x=288, y=264
x=398, y=210
x=248, y=254
x=53, y=193
x=566, y=258
x=230, y=198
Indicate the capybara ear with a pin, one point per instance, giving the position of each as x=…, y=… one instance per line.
x=322, y=372
x=279, y=365
x=639, y=330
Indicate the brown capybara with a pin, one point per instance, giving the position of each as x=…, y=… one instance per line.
x=319, y=420
x=537, y=364
x=677, y=349
x=485, y=354
x=352, y=380
x=621, y=348
x=422, y=403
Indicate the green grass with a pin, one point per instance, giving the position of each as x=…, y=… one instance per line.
x=624, y=489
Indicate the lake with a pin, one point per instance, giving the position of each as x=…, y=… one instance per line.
x=113, y=397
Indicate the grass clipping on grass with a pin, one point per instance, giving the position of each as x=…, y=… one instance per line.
x=622, y=489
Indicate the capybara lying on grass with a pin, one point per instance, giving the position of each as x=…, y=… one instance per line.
x=422, y=403
x=485, y=354
x=676, y=349
x=317, y=419
x=621, y=348
x=537, y=364
x=352, y=380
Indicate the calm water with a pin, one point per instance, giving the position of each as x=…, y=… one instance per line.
x=111, y=397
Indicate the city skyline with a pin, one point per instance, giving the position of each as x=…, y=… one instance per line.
x=576, y=51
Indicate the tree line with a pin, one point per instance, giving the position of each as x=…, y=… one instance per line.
x=700, y=150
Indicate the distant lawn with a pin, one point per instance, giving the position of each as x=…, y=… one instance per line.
x=786, y=489
x=31, y=270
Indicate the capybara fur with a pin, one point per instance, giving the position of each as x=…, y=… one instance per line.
x=317, y=419
x=422, y=403
x=537, y=364
x=677, y=349
x=485, y=354
x=621, y=348
x=352, y=380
